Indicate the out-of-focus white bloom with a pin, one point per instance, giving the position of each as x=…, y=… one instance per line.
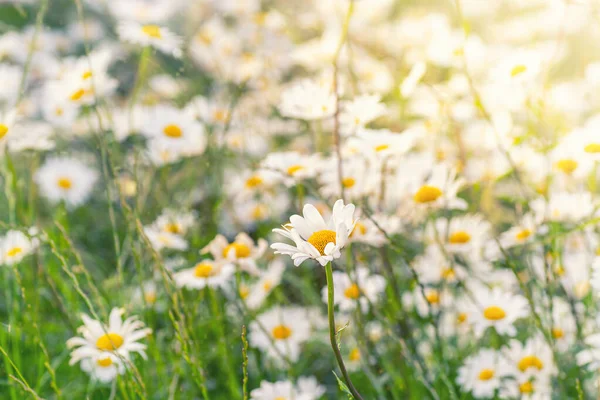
x=155, y=36
x=564, y=207
x=306, y=388
x=365, y=289
x=66, y=179
x=255, y=295
x=205, y=273
x=482, y=373
x=359, y=112
x=30, y=136
x=242, y=251
x=308, y=100
x=161, y=239
x=15, y=246
x=497, y=309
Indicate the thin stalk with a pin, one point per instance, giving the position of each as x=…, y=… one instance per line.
x=332, y=332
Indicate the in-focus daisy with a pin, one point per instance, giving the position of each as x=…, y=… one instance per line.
x=363, y=290
x=14, y=246
x=205, y=273
x=66, y=179
x=281, y=331
x=103, y=344
x=482, y=373
x=497, y=309
x=242, y=251
x=313, y=237
x=155, y=36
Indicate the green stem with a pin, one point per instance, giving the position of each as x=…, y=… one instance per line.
x=332, y=333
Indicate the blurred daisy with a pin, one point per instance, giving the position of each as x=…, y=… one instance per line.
x=533, y=359
x=359, y=112
x=256, y=294
x=482, y=373
x=523, y=232
x=161, y=239
x=175, y=222
x=15, y=246
x=205, y=273
x=463, y=234
x=242, y=251
x=102, y=345
x=497, y=309
x=65, y=179
x=307, y=388
x=307, y=99
x=292, y=166
x=313, y=238
x=155, y=36
x=369, y=230
x=7, y=121
x=563, y=207
x=363, y=290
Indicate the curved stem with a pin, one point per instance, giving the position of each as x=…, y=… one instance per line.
x=331, y=317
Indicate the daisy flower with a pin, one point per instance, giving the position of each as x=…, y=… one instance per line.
x=308, y=99
x=175, y=222
x=205, y=273
x=155, y=36
x=359, y=177
x=7, y=121
x=65, y=179
x=497, y=309
x=365, y=289
x=242, y=251
x=256, y=294
x=313, y=237
x=368, y=231
x=359, y=112
x=307, y=388
x=103, y=366
x=434, y=267
x=532, y=359
x=563, y=207
x=564, y=327
x=292, y=165
x=15, y=246
x=481, y=374
x=526, y=388
x=162, y=239
x=521, y=233
x=463, y=234
x=281, y=330
x=101, y=345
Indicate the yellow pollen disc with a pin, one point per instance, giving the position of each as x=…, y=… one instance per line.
x=320, y=239
x=433, y=297
x=150, y=297
x=559, y=270
x=348, y=182
x=460, y=237
x=259, y=212
x=173, y=131
x=324, y=108
x=280, y=398
x=244, y=291
x=254, y=181
x=524, y=234
x=152, y=31
x=86, y=75
x=448, y=273
x=567, y=166
x=65, y=183
x=354, y=355
x=241, y=250
x=173, y=228
x=557, y=333
x=592, y=148
x=294, y=168
x=104, y=362
x=353, y=292
x=518, y=69
x=3, y=130
x=598, y=251
x=267, y=285
x=526, y=387
x=281, y=332
x=14, y=251
x=220, y=115
x=494, y=313
x=109, y=341
x=486, y=374
x=59, y=111
x=530, y=361
x=462, y=317
x=77, y=95
x=427, y=194
x=203, y=270
x=361, y=228
x=382, y=147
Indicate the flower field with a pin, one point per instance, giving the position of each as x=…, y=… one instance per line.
x=299, y=200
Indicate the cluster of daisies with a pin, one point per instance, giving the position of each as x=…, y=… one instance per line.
x=406, y=194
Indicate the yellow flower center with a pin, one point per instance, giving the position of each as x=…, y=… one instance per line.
x=530, y=362
x=427, y=194
x=567, y=166
x=348, y=182
x=448, y=273
x=280, y=398
x=382, y=147
x=173, y=228
x=244, y=291
x=592, y=148
x=221, y=115
x=3, y=130
x=78, y=94
x=486, y=374
x=433, y=297
x=259, y=212
x=86, y=75
x=524, y=234
x=204, y=270
x=109, y=341
x=281, y=332
x=254, y=181
x=353, y=292
x=152, y=31
x=59, y=111
x=65, y=183
x=173, y=131
x=320, y=239
x=518, y=69
x=104, y=362
x=526, y=387
x=355, y=355
x=294, y=168
x=267, y=285
x=494, y=313
x=14, y=251
x=461, y=317
x=459, y=237
x=150, y=297
x=557, y=333
x=361, y=228
x=241, y=250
